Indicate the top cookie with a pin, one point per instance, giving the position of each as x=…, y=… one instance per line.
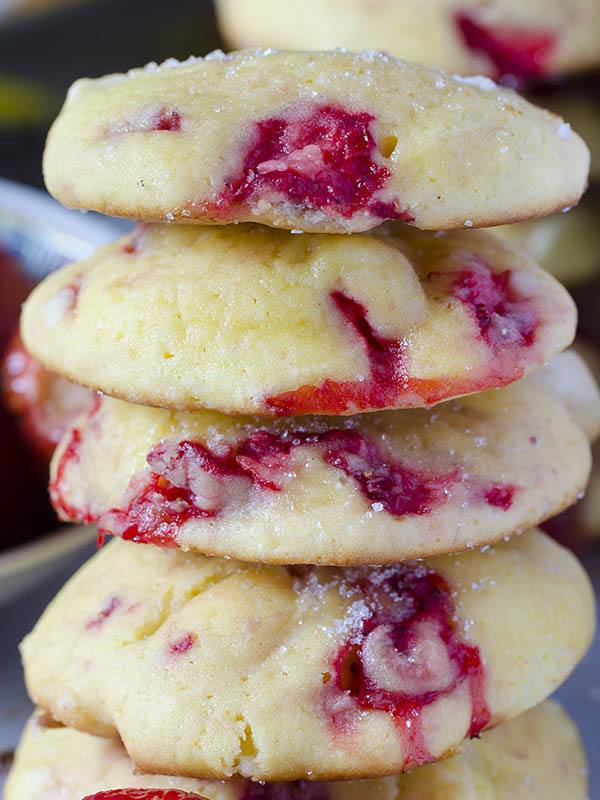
x=333, y=142
x=531, y=40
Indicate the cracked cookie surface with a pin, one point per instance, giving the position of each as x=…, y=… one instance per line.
x=538, y=756
x=229, y=651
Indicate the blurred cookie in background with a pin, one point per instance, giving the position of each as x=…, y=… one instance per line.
x=578, y=101
x=565, y=244
x=579, y=526
x=504, y=39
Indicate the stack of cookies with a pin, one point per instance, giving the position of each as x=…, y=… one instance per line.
x=313, y=577
x=548, y=49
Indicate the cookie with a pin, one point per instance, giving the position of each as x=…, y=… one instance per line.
x=331, y=142
x=199, y=664
x=249, y=320
x=406, y=484
x=502, y=38
x=538, y=755
x=567, y=245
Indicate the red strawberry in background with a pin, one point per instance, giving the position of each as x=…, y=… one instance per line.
x=25, y=510
x=44, y=402
x=36, y=407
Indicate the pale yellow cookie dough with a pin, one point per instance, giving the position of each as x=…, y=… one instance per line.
x=327, y=142
x=538, y=756
x=247, y=319
x=374, y=488
x=200, y=664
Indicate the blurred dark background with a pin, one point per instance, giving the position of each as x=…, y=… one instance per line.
x=44, y=49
